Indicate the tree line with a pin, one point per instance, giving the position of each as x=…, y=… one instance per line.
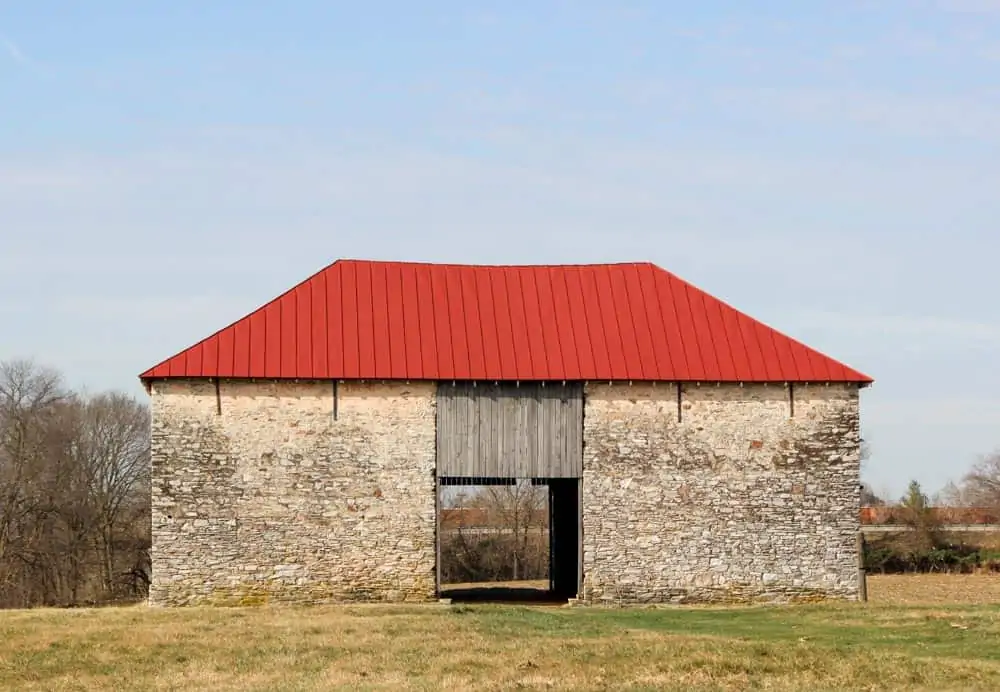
x=979, y=487
x=74, y=492
x=930, y=545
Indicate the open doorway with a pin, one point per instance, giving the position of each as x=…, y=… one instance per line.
x=508, y=539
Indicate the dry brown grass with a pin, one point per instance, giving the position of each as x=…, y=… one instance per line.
x=934, y=589
x=847, y=646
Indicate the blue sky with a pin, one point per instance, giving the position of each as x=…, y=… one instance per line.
x=829, y=168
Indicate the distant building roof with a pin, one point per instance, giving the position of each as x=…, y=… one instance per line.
x=408, y=321
x=964, y=516
x=481, y=517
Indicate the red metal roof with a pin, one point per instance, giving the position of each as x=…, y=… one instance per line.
x=408, y=321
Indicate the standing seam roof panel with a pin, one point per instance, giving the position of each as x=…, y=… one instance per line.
x=703, y=334
x=424, y=299
x=563, y=325
x=462, y=344
x=738, y=347
x=522, y=347
x=533, y=318
x=320, y=347
x=336, y=345
x=502, y=325
x=257, y=334
x=578, y=319
x=607, y=324
x=688, y=331
x=668, y=331
x=732, y=359
x=723, y=346
x=771, y=361
x=624, y=311
x=555, y=357
x=210, y=354
x=786, y=357
x=194, y=358
x=381, y=339
x=492, y=368
x=644, y=342
x=413, y=336
x=473, y=324
x=303, y=322
x=365, y=311
x=603, y=360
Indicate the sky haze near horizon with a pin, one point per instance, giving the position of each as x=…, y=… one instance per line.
x=829, y=168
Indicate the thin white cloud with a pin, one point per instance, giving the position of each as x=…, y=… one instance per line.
x=537, y=187
x=990, y=52
x=971, y=6
x=850, y=52
x=925, y=115
x=911, y=42
x=44, y=177
x=15, y=53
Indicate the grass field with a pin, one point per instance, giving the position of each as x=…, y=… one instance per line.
x=934, y=589
x=929, y=632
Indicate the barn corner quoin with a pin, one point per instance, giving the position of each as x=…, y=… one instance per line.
x=693, y=453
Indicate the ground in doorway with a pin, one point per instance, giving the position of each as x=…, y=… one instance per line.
x=526, y=591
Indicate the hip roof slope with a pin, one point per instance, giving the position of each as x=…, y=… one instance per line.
x=359, y=319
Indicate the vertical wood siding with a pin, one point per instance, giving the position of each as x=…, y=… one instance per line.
x=508, y=431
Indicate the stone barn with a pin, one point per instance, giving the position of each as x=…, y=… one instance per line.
x=692, y=453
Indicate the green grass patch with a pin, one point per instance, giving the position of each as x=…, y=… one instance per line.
x=846, y=646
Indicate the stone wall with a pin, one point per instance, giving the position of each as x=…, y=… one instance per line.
x=740, y=500
x=272, y=499
x=261, y=494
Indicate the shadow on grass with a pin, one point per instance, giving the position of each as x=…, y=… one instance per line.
x=503, y=594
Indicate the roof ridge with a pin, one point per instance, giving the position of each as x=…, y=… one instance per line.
x=476, y=265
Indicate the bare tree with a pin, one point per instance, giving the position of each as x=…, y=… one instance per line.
x=113, y=449
x=980, y=487
x=865, y=452
x=518, y=508
x=74, y=491
x=870, y=498
x=29, y=399
x=952, y=495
